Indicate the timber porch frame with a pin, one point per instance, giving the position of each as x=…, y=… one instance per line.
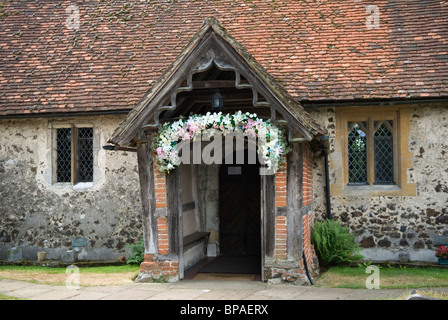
x=282, y=205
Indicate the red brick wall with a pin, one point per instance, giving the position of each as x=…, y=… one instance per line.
x=162, y=224
x=162, y=235
x=160, y=188
x=307, y=176
x=307, y=236
x=156, y=268
x=280, y=238
x=280, y=221
x=280, y=186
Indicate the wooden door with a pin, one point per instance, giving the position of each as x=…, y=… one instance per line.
x=240, y=231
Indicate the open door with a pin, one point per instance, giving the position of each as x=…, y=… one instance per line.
x=240, y=214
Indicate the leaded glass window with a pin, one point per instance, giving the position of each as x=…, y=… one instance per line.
x=64, y=157
x=357, y=153
x=85, y=154
x=383, y=153
x=74, y=155
x=370, y=151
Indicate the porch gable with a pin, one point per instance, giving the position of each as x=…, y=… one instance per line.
x=213, y=46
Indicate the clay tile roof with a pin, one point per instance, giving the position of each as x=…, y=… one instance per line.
x=318, y=50
x=199, y=54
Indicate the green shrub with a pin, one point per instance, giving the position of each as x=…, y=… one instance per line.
x=333, y=243
x=137, y=253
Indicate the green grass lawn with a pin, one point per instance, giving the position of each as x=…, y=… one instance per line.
x=89, y=275
x=105, y=269
x=336, y=277
x=389, y=277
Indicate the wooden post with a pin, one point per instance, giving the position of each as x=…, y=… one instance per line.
x=268, y=188
x=263, y=224
x=180, y=223
x=146, y=175
x=294, y=202
x=175, y=216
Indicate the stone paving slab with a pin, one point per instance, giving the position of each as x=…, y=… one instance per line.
x=11, y=285
x=216, y=294
x=89, y=295
x=196, y=290
x=178, y=294
x=151, y=286
x=56, y=294
x=29, y=292
x=131, y=294
x=229, y=285
x=281, y=292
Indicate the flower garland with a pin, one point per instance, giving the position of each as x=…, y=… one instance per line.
x=271, y=143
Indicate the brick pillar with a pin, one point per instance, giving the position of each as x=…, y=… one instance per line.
x=308, y=248
x=160, y=188
x=162, y=223
x=307, y=236
x=280, y=186
x=162, y=235
x=280, y=221
x=280, y=237
x=307, y=176
x=154, y=266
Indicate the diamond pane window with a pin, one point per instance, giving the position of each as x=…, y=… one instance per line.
x=357, y=153
x=74, y=155
x=384, y=153
x=85, y=154
x=63, y=155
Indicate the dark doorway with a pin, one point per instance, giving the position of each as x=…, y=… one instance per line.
x=239, y=229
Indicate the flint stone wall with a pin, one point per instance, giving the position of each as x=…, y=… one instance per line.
x=396, y=227
x=37, y=214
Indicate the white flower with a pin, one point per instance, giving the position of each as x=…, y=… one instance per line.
x=271, y=147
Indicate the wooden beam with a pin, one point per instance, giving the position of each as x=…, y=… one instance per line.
x=206, y=95
x=146, y=176
x=180, y=233
x=213, y=84
x=294, y=232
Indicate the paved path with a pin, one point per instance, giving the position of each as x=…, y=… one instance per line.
x=194, y=290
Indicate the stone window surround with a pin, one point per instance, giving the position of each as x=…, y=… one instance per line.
x=403, y=156
x=59, y=124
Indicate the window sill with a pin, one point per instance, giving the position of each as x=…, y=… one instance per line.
x=368, y=190
x=81, y=186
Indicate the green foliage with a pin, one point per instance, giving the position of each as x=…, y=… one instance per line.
x=137, y=253
x=333, y=243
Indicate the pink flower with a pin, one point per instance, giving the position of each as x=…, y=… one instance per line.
x=192, y=127
x=160, y=152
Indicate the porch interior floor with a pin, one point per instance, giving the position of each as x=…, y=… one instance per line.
x=226, y=268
